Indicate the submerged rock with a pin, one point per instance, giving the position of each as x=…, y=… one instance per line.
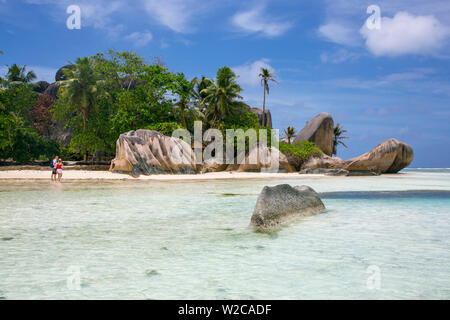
x=150, y=152
x=282, y=203
x=319, y=130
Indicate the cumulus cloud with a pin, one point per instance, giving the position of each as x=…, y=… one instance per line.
x=257, y=21
x=338, y=33
x=406, y=34
x=177, y=15
x=140, y=39
x=249, y=72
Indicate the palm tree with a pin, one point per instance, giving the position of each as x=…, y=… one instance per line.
x=337, y=138
x=220, y=97
x=185, y=107
x=289, y=133
x=81, y=88
x=266, y=75
x=18, y=75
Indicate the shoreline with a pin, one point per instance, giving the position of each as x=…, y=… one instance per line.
x=91, y=175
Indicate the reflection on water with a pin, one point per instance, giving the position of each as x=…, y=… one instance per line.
x=192, y=240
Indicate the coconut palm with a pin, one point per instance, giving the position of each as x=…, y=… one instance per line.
x=81, y=88
x=337, y=137
x=266, y=76
x=185, y=107
x=221, y=96
x=289, y=133
x=19, y=75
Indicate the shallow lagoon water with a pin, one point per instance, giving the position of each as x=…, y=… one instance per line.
x=192, y=240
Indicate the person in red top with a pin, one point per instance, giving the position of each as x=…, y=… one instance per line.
x=59, y=166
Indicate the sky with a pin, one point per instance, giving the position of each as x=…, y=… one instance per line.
x=378, y=80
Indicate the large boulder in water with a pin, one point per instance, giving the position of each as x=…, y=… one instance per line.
x=282, y=203
x=265, y=118
x=390, y=156
x=150, y=152
x=319, y=130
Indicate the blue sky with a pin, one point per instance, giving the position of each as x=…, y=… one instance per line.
x=391, y=82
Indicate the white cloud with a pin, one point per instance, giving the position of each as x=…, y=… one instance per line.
x=338, y=56
x=140, y=39
x=96, y=14
x=339, y=33
x=249, y=72
x=256, y=21
x=177, y=15
x=406, y=34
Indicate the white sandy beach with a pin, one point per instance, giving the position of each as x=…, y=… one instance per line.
x=106, y=175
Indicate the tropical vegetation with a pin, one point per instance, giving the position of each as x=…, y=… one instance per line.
x=338, y=137
x=105, y=95
x=300, y=152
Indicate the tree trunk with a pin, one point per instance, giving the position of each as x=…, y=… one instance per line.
x=264, y=108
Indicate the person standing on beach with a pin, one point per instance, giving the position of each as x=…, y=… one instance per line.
x=59, y=166
x=53, y=166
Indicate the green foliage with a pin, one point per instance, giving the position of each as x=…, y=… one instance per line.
x=111, y=93
x=221, y=96
x=266, y=75
x=18, y=140
x=78, y=106
x=289, y=133
x=166, y=128
x=300, y=152
x=17, y=75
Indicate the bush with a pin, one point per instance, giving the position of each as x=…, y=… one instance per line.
x=165, y=128
x=300, y=152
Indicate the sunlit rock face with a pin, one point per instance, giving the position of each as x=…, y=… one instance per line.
x=319, y=130
x=390, y=156
x=149, y=152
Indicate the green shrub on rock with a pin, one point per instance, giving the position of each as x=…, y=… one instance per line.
x=300, y=152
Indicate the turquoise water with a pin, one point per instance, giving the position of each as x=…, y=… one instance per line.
x=192, y=240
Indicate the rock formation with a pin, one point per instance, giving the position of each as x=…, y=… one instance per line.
x=40, y=86
x=265, y=119
x=282, y=203
x=59, y=76
x=52, y=90
x=390, y=156
x=319, y=130
x=149, y=152
x=255, y=161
